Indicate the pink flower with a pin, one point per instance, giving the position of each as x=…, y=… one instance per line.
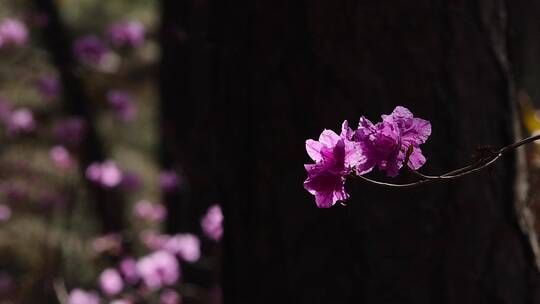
x=60, y=157
x=147, y=211
x=106, y=174
x=128, y=267
x=127, y=33
x=153, y=240
x=169, y=181
x=90, y=50
x=122, y=104
x=79, y=296
x=186, y=246
x=385, y=144
x=212, y=223
x=169, y=296
x=335, y=156
x=158, y=269
x=110, y=282
x=13, y=32
x=5, y=213
x=21, y=121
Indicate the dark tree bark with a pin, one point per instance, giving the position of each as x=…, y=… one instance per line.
x=288, y=69
x=188, y=133
x=109, y=203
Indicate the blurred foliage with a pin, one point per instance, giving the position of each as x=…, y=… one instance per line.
x=49, y=237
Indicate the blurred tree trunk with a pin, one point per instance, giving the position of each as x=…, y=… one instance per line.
x=284, y=70
x=109, y=203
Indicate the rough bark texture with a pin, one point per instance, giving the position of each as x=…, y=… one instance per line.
x=109, y=203
x=284, y=70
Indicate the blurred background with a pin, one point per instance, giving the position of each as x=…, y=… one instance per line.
x=151, y=151
x=83, y=185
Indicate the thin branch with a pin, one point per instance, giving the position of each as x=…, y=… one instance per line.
x=470, y=169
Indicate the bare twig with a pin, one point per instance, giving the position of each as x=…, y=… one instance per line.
x=480, y=164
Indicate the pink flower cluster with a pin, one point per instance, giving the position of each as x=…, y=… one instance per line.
x=169, y=181
x=127, y=33
x=184, y=245
x=61, y=157
x=13, y=32
x=152, y=276
x=158, y=269
x=122, y=104
x=16, y=121
x=384, y=145
x=90, y=50
x=147, y=211
x=94, y=51
x=106, y=174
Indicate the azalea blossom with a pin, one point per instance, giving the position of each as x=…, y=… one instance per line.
x=128, y=268
x=79, y=296
x=111, y=282
x=13, y=32
x=127, y=33
x=212, y=223
x=158, y=269
x=122, y=104
x=335, y=157
x=169, y=296
x=385, y=145
x=169, y=181
x=61, y=157
x=21, y=121
x=186, y=246
x=90, y=50
x=106, y=174
x=153, y=240
x=150, y=212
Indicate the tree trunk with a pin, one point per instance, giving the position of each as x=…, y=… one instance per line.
x=187, y=133
x=284, y=70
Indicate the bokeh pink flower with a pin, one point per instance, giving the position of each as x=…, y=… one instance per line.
x=150, y=212
x=80, y=296
x=13, y=32
x=158, y=269
x=127, y=33
x=186, y=246
x=106, y=174
x=212, y=223
x=111, y=282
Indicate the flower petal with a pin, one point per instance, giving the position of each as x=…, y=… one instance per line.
x=329, y=138
x=313, y=149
